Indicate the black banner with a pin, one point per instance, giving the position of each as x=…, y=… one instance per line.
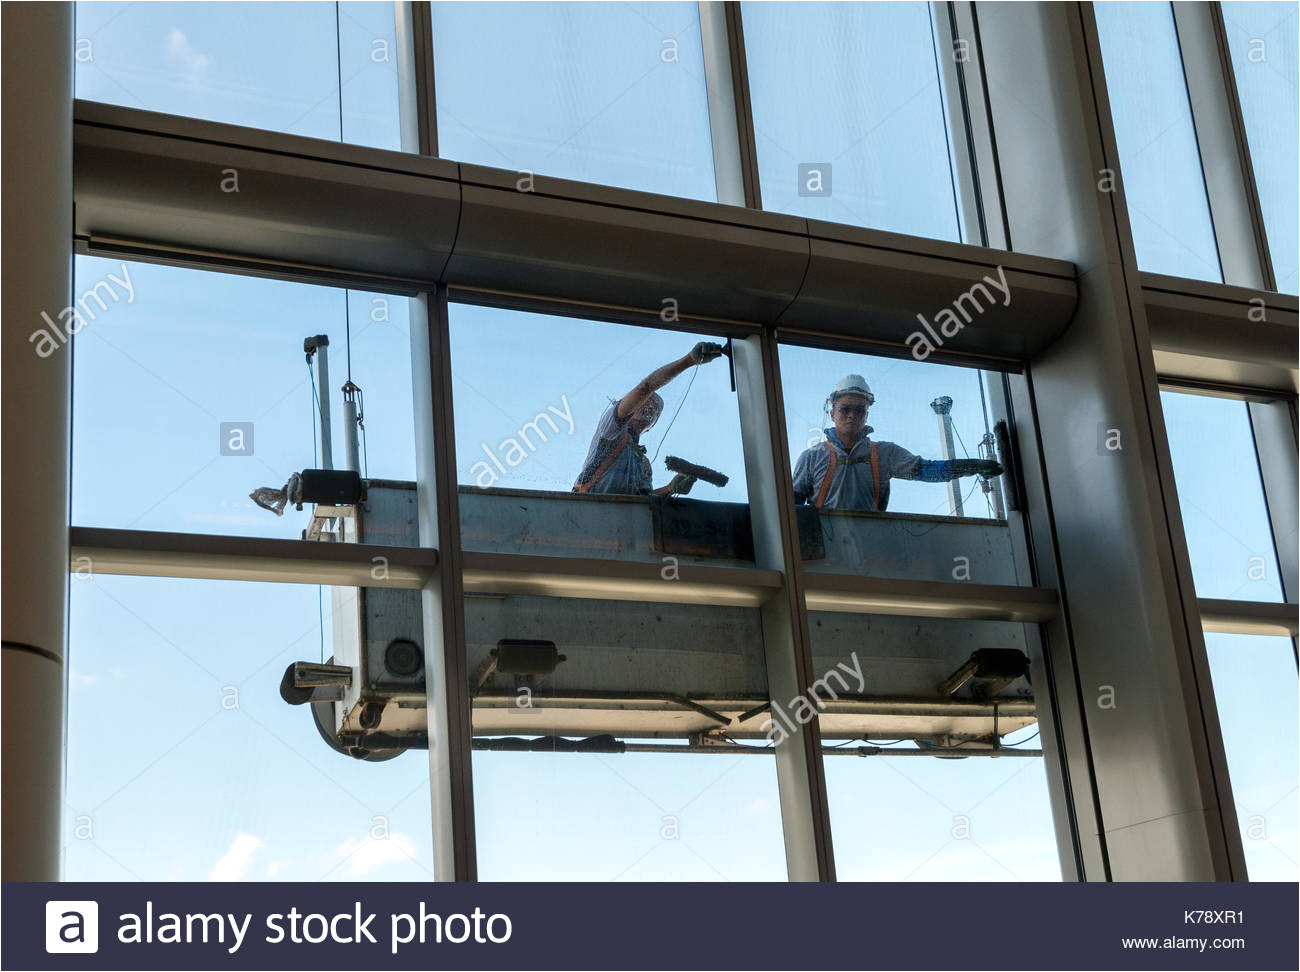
x=650, y=926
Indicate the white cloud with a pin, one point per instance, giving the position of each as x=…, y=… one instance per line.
x=366, y=855
x=180, y=51
x=233, y=865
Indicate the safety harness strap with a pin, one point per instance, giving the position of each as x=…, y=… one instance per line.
x=833, y=462
x=875, y=476
x=614, y=453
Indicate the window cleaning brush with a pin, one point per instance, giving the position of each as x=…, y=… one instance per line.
x=677, y=465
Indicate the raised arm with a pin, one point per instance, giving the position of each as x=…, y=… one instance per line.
x=651, y=383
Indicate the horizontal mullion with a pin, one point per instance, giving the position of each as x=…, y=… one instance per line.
x=1222, y=616
x=1162, y=286
x=204, y=259
x=617, y=580
x=928, y=599
x=350, y=212
x=1217, y=334
x=201, y=556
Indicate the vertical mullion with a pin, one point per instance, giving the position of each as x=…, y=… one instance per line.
x=801, y=781
x=1060, y=715
x=37, y=201
x=964, y=173
x=417, y=104
x=724, y=132
x=1164, y=808
x=1242, y=241
x=1270, y=423
x=744, y=110
x=1274, y=433
x=1221, y=140
x=1243, y=145
x=446, y=668
x=1064, y=726
x=979, y=118
x=446, y=676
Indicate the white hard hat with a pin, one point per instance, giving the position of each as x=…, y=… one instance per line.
x=852, y=385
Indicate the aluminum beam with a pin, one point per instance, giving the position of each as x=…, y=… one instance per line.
x=720, y=89
x=146, y=553
x=1248, y=617
x=801, y=778
x=446, y=670
x=735, y=31
x=614, y=580
x=1274, y=427
x=348, y=215
x=1220, y=334
x=1221, y=138
x=37, y=211
x=928, y=599
x=1157, y=766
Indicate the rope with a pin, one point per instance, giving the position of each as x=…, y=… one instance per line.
x=694, y=371
x=365, y=451
x=338, y=61
x=347, y=329
x=315, y=401
x=964, y=450
x=984, y=405
x=320, y=591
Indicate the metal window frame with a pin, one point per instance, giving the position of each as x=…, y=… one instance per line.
x=1233, y=196
x=1242, y=239
x=1044, y=61
x=800, y=775
x=115, y=142
x=1062, y=721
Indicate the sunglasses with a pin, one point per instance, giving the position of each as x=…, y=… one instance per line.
x=853, y=411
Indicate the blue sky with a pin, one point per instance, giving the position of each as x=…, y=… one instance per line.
x=247, y=789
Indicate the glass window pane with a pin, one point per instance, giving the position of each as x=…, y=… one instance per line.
x=541, y=416
x=849, y=115
x=933, y=527
x=628, y=675
x=1225, y=517
x=191, y=390
x=1161, y=163
x=598, y=92
x=1255, y=693
x=184, y=763
x=1262, y=39
x=270, y=65
x=909, y=759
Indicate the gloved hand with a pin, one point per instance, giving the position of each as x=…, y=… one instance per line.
x=681, y=485
x=976, y=467
x=706, y=351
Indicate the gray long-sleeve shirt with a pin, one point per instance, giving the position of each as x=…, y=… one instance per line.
x=852, y=487
x=630, y=473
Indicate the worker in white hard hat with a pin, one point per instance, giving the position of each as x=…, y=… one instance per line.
x=850, y=471
x=616, y=461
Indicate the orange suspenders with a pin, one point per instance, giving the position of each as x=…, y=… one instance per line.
x=833, y=461
x=830, y=474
